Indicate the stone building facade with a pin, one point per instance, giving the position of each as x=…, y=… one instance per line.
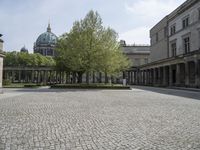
x=1, y=63
x=138, y=54
x=175, y=49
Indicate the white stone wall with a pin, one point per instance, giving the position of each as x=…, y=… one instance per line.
x=159, y=49
x=193, y=30
x=138, y=55
x=138, y=59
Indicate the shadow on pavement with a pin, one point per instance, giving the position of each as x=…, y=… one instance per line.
x=43, y=90
x=168, y=91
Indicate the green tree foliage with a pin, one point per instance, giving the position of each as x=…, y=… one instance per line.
x=90, y=47
x=22, y=59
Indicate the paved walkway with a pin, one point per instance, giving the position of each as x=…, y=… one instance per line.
x=142, y=118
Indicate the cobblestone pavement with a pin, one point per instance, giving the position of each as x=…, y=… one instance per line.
x=140, y=119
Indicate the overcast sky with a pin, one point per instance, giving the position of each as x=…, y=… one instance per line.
x=22, y=21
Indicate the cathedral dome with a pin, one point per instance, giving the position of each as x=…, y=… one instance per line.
x=24, y=49
x=46, y=38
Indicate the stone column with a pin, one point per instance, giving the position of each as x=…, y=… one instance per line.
x=45, y=77
x=178, y=70
x=147, y=77
x=1, y=71
x=13, y=76
x=138, y=77
x=50, y=76
x=32, y=76
x=170, y=76
x=26, y=75
x=197, y=73
x=131, y=77
x=67, y=77
x=88, y=77
x=164, y=76
x=187, y=81
x=134, y=77
x=150, y=78
x=154, y=76
x=38, y=76
x=19, y=74
x=143, y=77
x=159, y=77
x=63, y=77
x=128, y=81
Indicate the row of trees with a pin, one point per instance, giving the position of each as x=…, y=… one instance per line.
x=27, y=60
x=90, y=47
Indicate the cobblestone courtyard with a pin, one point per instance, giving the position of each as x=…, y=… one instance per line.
x=147, y=118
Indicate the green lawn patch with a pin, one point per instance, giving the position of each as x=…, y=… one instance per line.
x=22, y=85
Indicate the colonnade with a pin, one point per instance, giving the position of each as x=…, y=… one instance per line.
x=45, y=75
x=185, y=74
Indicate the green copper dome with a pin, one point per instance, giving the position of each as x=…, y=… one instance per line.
x=46, y=38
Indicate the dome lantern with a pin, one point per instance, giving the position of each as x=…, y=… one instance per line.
x=49, y=28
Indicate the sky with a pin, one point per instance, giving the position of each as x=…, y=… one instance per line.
x=22, y=21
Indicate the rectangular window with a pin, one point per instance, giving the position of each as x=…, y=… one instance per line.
x=173, y=48
x=186, y=44
x=199, y=13
x=156, y=37
x=185, y=22
x=173, y=30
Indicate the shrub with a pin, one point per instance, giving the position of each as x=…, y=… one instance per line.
x=91, y=86
x=6, y=82
x=32, y=85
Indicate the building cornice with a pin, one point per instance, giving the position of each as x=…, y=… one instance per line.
x=182, y=8
x=196, y=52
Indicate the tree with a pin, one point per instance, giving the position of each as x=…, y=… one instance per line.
x=15, y=59
x=90, y=47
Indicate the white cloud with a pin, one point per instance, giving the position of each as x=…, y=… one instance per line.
x=146, y=13
x=138, y=35
x=151, y=10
